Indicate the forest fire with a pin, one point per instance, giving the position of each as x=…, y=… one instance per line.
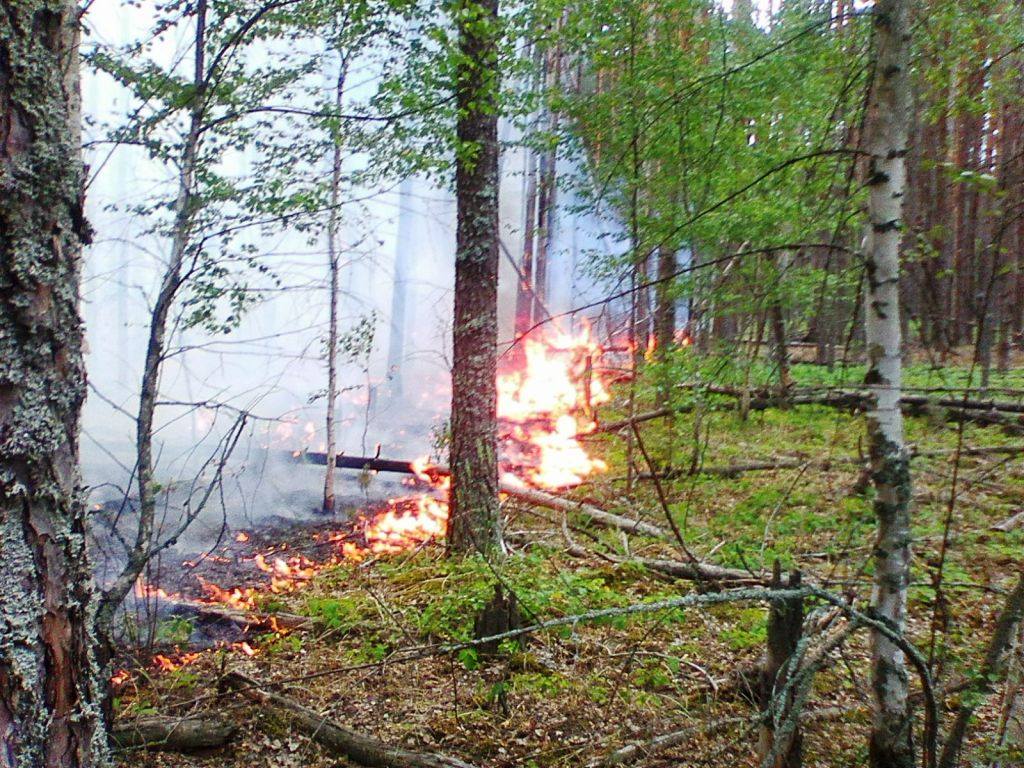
x=543, y=405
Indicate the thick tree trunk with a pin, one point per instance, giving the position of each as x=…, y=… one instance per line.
x=51, y=684
x=473, y=523
x=886, y=142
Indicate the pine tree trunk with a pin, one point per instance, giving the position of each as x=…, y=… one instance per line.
x=664, y=300
x=886, y=142
x=473, y=523
x=51, y=684
x=780, y=349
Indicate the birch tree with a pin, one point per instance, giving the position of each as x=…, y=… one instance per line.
x=886, y=144
x=50, y=681
x=187, y=123
x=334, y=273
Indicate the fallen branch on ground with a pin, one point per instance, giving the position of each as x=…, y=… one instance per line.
x=542, y=499
x=176, y=734
x=1013, y=521
x=638, y=750
x=340, y=741
x=983, y=682
x=676, y=568
x=250, y=619
x=771, y=465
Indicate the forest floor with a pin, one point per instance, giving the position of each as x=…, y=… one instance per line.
x=575, y=694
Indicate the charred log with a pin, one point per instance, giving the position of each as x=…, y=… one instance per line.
x=364, y=463
x=174, y=734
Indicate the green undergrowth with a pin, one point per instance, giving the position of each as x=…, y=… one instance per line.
x=436, y=599
x=651, y=673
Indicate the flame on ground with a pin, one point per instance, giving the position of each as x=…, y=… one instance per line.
x=543, y=406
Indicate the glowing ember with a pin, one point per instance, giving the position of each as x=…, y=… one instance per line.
x=169, y=663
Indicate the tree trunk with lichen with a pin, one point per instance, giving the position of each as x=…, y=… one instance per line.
x=50, y=681
x=886, y=139
x=473, y=523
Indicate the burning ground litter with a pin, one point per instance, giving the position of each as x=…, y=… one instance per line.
x=545, y=401
x=573, y=694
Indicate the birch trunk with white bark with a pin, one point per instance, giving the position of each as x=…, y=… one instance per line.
x=334, y=270
x=891, y=744
x=170, y=283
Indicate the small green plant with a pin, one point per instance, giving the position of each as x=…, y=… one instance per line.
x=750, y=630
x=174, y=631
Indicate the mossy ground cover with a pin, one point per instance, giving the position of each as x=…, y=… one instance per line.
x=580, y=691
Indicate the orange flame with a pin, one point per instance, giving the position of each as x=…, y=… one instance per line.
x=549, y=402
x=543, y=407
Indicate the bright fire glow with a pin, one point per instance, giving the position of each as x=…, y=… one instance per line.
x=546, y=404
x=543, y=405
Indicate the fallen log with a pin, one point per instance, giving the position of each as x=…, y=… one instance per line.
x=1010, y=523
x=1008, y=415
x=784, y=462
x=560, y=504
x=520, y=492
x=637, y=750
x=692, y=571
x=250, y=619
x=756, y=404
x=175, y=734
x=341, y=741
x=366, y=463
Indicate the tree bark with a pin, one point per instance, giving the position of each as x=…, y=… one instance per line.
x=51, y=684
x=886, y=143
x=473, y=523
x=175, y=734
x=334, y=269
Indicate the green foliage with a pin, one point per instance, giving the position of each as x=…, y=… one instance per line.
x=174, y=631
x=750, y=630
x=342, y=613
x=539, y=684
x=456, y=590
